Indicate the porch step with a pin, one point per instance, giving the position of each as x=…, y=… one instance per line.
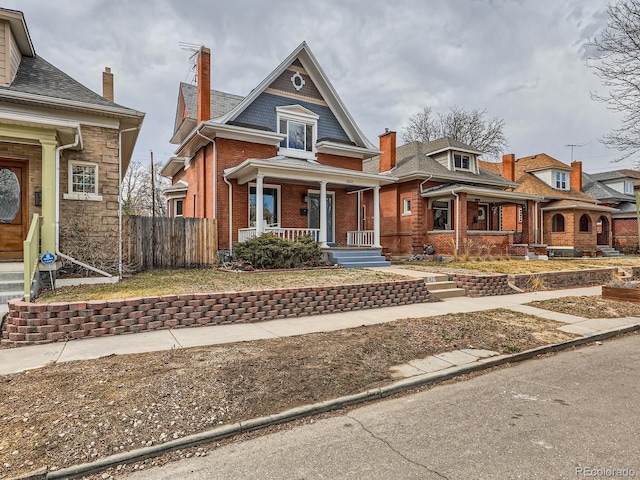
x=609, y=252
x=441, y=285
x=358, y=258
x=448, y=293
x=11, y=282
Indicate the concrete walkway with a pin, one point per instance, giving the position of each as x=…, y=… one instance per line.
x=18, y=359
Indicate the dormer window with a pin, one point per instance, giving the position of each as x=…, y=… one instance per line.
x=561, y=181
x=300, y=127
x=628, y=187
x=461, y=162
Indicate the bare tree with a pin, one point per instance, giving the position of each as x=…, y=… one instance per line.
x=617, y=63
x=137, y=190
x=466, y=126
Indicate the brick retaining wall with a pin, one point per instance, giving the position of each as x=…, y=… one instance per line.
x=33, y=323
x=565, y=279
x=482, y=285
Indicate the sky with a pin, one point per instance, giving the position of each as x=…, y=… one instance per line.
x=524, y=61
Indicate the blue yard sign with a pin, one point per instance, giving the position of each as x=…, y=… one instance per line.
x=48, y=258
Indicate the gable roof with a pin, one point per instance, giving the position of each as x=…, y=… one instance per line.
x=303, y=54
x=540, y=161
x=447, y=143
x=413, y=161
x=615, y=175
x=601, y=191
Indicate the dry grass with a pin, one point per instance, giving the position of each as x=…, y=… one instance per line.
x=173, y=282
x=589, y=307
x=522, y=266
x=76, y=412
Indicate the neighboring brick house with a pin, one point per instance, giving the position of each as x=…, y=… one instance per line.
x=287, y=158
x=570, y=221
x=60, y=145
x=443, y=198
x=616, y=189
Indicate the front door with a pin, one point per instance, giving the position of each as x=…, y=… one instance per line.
x=14, y=211
x=314, y=214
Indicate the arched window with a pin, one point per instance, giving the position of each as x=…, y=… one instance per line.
x=557, y=223
x=585, y=223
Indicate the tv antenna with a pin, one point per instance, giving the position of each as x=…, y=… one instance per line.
x=572, y=146
x=192, y=49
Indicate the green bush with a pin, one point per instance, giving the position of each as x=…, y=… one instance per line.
x=270, y=251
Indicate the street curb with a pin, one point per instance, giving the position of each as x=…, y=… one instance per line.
x=313, y=409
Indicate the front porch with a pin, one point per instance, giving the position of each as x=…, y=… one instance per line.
x=357, y=238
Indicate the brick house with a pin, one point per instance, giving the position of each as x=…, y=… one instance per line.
x=616, y=189
x=60, y=149
x=570, y=221
x=442, y=197
x=286, y=158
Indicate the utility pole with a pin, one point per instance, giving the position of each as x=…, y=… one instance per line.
x=153, y=188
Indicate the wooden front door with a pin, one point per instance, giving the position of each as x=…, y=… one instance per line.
x=14, y=210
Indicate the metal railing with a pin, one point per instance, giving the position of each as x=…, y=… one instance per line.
x=360, y=238
x=31, y=252
x=245, y=234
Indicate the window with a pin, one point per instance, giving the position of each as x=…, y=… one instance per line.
x=300, y=127
x=585, y=223
x=628, y=187
x=441, y=216
x=561, y=181
x=83, y=181
x=178, y=208
x=557, y=223
x=406, y=206
x=270, y=205
x=461, y=162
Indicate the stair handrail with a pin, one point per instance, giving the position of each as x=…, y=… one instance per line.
x=31, y=254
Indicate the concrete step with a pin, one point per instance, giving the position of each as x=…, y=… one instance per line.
x=364, y=263
x=442, y=285
x=11, y=276
x=10, y=285
x=448, y=293
x=5, y=296
x=11, y=267
x=435, y=277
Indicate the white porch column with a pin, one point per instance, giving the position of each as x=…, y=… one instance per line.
x=376, y=217
x=259, y=204
x=322, y=239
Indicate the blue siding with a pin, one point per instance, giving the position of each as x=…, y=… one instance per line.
x=262, y=112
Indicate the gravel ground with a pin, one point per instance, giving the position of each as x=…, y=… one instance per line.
x=589, y=307
x=76, y=412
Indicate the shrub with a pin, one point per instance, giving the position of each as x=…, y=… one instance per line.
x=269, y=251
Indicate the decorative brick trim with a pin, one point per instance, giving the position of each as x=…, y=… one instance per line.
x=32, y=323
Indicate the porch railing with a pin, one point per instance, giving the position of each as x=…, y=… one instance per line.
x=31, y=252
x=360, y=238
x=245, y=234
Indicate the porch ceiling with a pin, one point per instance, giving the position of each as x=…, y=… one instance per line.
x=480, y=194
x=291, y=170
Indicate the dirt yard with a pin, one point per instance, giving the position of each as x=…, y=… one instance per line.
x=76, y=412
x=589, y=307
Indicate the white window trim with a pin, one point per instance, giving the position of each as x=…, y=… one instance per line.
x=628, y=183
x=564, y=179
x=71, y=195
x=470, y=157
x=306, y=118
x=264, y=185
x=175, y=206
x=406, y=211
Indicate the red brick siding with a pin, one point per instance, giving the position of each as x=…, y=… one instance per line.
x=625, y=233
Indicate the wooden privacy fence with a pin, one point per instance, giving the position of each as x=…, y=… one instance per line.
x=169, y=242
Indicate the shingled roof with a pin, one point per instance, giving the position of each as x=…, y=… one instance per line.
x=221, y=102
x=413, y=160
x=601, y=191
x=36, y=76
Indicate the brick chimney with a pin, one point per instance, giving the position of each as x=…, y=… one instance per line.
x=107, y=84
x=576, y=176
x=388, y=148
x=204, y=84
x=509, y=166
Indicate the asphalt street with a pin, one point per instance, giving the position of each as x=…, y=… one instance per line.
x=572, y=415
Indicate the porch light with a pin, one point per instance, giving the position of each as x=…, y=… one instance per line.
x=37, y=198
x=305, y=198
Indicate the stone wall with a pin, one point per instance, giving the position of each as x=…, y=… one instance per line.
x=566, y=279
x=482, y=285
x=33, y=323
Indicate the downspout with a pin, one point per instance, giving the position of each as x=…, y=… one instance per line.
x=120, y=197
x=422, y=183
x=230, y=213
x=57, y=243
x=536, y=232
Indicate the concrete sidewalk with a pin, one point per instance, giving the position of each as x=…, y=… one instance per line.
x=18, y=359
